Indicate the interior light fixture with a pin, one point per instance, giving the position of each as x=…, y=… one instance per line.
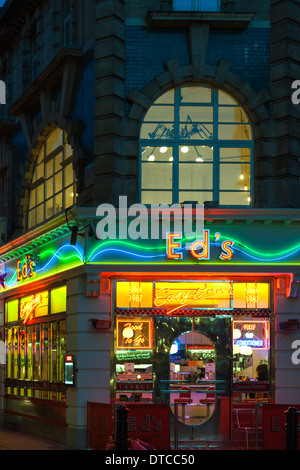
x=245, y=188
x=151, y=158
x=242, y=177
x=171, y=159
x=163, y=149
x=199, y=159
x=184, y=149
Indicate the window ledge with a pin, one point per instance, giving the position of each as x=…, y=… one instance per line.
x=181, y=19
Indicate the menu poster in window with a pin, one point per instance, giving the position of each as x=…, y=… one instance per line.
x=134, y=334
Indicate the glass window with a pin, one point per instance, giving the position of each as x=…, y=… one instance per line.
x=196, y=5
x=196, y=145
x=52, y=175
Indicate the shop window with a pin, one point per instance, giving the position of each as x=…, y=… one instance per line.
x=134, y=355
x=53, y=183
x=196, y=144
x=196, y=5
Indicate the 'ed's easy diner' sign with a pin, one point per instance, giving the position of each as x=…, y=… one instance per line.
x=174, y=296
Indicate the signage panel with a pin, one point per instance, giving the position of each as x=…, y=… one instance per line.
x=253, y=334
x=134, y=333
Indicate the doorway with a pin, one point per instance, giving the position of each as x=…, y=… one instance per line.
x=193, y=373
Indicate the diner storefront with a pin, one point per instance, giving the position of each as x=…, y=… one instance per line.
x=114, y=321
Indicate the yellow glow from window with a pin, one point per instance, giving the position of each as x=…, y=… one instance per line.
x=134, y=295
x=11, y=311
x=59, y=299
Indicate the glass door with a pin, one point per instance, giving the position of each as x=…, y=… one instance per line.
x=193, y=373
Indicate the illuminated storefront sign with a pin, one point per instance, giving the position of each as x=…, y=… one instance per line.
x=200, y=249
x=172, y=296
x=29, y=306
x=25, y=270
x=253, y=334
x=134, y=334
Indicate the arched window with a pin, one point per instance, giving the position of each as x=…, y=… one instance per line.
x=196, y=144
x=53, y=183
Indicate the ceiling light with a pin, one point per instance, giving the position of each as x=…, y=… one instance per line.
x=242, y=177
x=184, y=149
x=170, y=159
x=151, y=158
x=199, y=159
x=163, y=149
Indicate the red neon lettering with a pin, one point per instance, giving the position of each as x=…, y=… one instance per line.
x=228, y=252
x=205, y=247
x=171, y=245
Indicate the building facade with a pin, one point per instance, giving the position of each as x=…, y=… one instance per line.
x=123, y=102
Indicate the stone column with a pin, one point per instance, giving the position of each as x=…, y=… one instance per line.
x=91, y=350
x=282, y=170
x=110, y=99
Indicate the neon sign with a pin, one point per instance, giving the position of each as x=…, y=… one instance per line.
x=174, y=296
x=134, y=334
x=200, y=249
x=28, y=308
x=26, y=270
x=253, y=334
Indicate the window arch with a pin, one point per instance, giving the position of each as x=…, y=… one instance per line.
x=53, y=183
x=196, y=144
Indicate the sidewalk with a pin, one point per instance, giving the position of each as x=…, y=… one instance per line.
x=13, y=440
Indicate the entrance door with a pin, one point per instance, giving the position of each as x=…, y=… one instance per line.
x=199, y=377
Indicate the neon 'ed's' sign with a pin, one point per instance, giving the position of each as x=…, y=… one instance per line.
x=200, y=249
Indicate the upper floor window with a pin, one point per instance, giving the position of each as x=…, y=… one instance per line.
x=196, y=144
x=53, y=183
x=196, y=5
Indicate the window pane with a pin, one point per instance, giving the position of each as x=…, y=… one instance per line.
x=49, y=208
x=235, y=176
x=58, y=182
x=69, y=197
x=68, y=175
x=156, y=197
x=49, y=188
x=49, y=168
x=157, y=175
x=224, y=98
x=232, y=114
x=68, y=151
x=239, y=198
x=198, y=196
x=195, y=153
x=40, y=194
x=195, y=176
x=31, y=219
x=196, y=114
x=58, y=203
x=54, y=140
x=235, y=132
x=57, y=162
x=40, y=214
x=59, y=300
x=160, y=113
x=12, y=311
x=238, y=154
x=166, y=98
x=157, y=154
x=195, y=94
x=32, y=198
x=157, y=131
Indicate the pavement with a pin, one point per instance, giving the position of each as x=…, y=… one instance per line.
x=13, y=440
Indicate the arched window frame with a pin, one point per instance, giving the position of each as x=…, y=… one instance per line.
x=53, y=186
x=215, y=142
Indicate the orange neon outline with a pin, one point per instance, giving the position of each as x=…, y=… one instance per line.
x=150, y=328
x=205, y=244
x=228, y=249
x=171, y=244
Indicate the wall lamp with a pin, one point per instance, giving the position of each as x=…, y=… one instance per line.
x=100, y=324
